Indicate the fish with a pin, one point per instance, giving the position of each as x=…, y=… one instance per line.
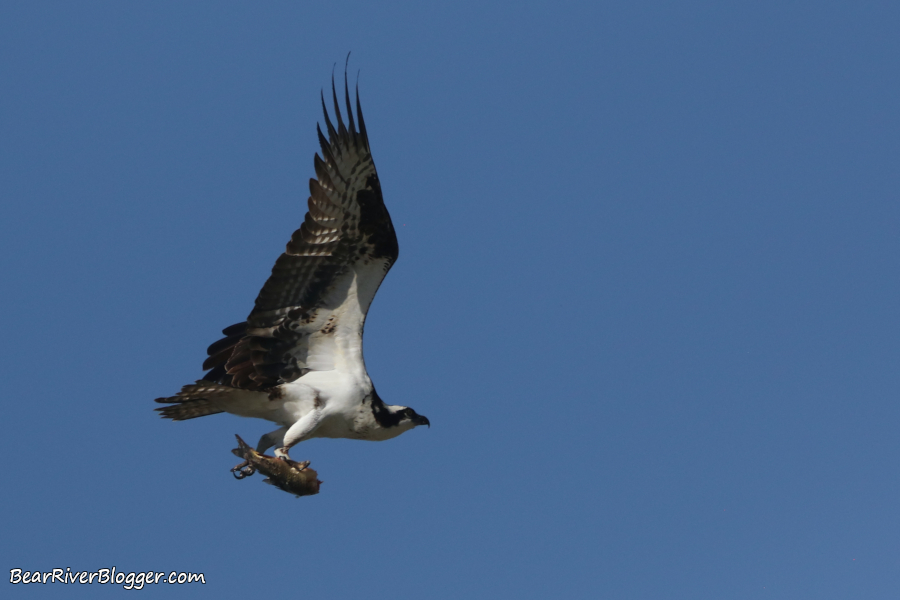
x=285, y=474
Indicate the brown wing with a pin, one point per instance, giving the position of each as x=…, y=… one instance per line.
x=347, y=227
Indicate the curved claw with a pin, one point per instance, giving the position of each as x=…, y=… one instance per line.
x=245, y=469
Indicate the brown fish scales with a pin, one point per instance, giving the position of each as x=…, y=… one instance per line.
x=292, y=477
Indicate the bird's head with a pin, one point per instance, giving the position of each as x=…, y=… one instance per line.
x=402, y=417
x=413, y=417
x=396, y=418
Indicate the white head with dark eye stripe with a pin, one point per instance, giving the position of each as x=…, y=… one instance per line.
x=395, y=418
x=408, y=415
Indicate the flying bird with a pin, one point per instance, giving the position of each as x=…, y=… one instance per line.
x=298, y=358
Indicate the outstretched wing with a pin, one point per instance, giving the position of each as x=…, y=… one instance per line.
x=345, y=244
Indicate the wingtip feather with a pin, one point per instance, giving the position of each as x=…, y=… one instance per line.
x=362, y=122
x=332, y=134
x=342, y=129
x=347, y=103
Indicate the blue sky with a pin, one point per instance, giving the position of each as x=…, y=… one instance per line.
x=647, y=295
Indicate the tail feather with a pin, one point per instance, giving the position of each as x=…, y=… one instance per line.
x=194, y=400
x=187, y=409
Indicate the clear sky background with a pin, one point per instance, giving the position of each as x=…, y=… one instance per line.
x=647, y=294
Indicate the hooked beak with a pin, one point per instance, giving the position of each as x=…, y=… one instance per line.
x=420, y=420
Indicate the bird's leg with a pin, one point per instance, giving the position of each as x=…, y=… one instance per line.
x=271, y=439
x=298, y=432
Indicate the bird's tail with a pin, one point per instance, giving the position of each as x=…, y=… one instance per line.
x=195, y=400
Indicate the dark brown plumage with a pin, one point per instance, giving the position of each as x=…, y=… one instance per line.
x=347, y=223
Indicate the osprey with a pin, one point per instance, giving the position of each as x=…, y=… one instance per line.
x=298, y=358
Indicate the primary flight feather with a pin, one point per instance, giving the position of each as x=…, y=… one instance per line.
x=298, y=358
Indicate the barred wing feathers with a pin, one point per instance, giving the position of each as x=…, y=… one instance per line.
x=346, y=234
